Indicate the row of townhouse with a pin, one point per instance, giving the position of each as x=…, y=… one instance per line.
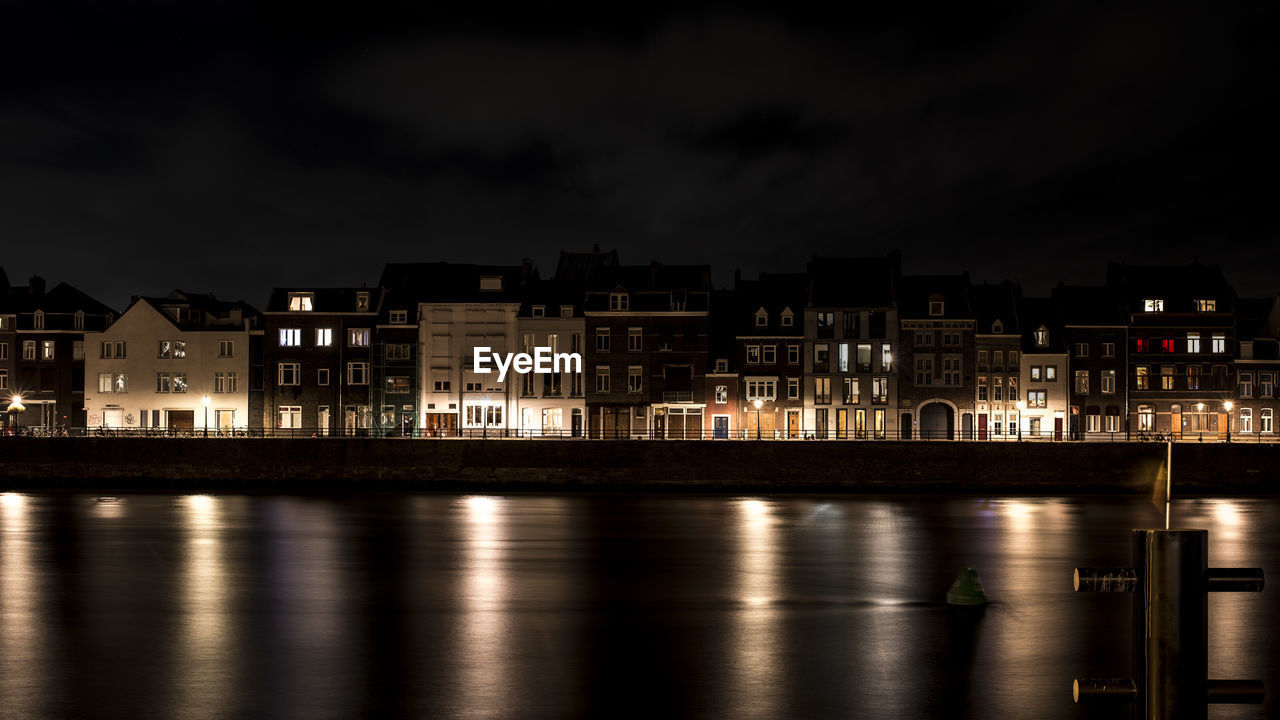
x=848, y=348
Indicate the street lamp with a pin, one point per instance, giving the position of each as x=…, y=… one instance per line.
x=484, y=418
x=1022, y=405
x=205, y=400
x=1227, y=406
x=757, y=403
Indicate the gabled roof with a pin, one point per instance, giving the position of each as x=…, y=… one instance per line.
x=917, y=291
x=63, y=298
x=204, y=310
x=1036, y=313
x=577, y=268
x=996, y=302
x=775, y=292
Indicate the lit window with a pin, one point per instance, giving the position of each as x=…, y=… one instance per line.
x=301, y=302
x=1108, y=382
x=1193, y=343
x=1142, y=379
x=1082, y=382
x=1265, y=425
x=821, y=391
x=358, y=337
x=163, y=385
x=1042, y=337
x=1206, y=305
x=1153, y=305
x=1219, y=343
x=1037, y=398
x=722, y=394
x=46, y=349
x=362, y=301
x=324, y=337
x=180, y=383
x=289, y=337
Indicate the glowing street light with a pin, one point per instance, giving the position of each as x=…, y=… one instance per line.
x=205, y=400
x=1227, y=406
x=757, y=403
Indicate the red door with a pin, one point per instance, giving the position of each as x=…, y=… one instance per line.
x=1057, y=428
x=982, y=426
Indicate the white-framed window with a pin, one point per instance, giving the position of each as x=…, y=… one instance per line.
x=1108, y=382
x=997, y=389
x=163, y=384
x=924, y=338
x=761, y=318
x=722, y=394
x=982, y=358
x=104, y=383
x=358, y=373
x=1246, y=384
x=112, y=349
x=358, y=337
x=289, y=337
x=1266, y=384
x=399, y=317
x=1050, y=373
x=635, y=378
x=538, y=311
x=619, y=301
x=1082, y=349
x=4, y=351
x=753, y=354
x=4, y=379
x=226, y=348
x=602, y=378
x=1265, y=421
x=79, y=320
x=788, y=318
x=1108, y=349
x=852, y=391
x=842, y=357
x=793, y=388
x=769, y=354
x=1153, y=305
x=602, y=339
x=951, y=370
x=322, y=376
x=47, y=348
x=886, y=357
x=288, y=373
x=936, y=306
x=1037, y=398
x=924, y=371
x=324, y=337
x=1219, y=343
x=566, y=311
x=761, y=389
x=1113, y=423
x=28, y=349
x=1206, y=305
x=1146, y=418
x=793, y=354
x=290, y=417
x=1082, y=382
x=224, y=382
x=635, y=339
x=982, y=388
x=1246, y=420
x=1193, y=342
x=398, y=351
x=951, y=338
x=1093, y=422
x=37, y=320
x=722, y=365
x=301, y=302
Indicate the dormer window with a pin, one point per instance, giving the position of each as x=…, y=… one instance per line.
x=788, y=318
x=301, y=302
x=997, y=327
x=539, y=310
x=1206, y=305
x=79, y=320
x=722, y=365
x=566, y=311
x=362, y=302
x=1042, y=337
x=762, y=318
x=37, y=321
x=399, y=317
x=619, y=301
x=491, y=283
x=936, y=307
x=1153, y=305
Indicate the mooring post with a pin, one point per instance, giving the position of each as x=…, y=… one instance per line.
x=1169, y=634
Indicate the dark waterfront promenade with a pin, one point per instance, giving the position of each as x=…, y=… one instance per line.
x=403, y=605
x=1208, y=469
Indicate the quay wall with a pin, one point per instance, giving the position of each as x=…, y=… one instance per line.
x=338, y=464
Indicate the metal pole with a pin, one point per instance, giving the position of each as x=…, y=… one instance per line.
x=1168, y=481
x=1177, y=626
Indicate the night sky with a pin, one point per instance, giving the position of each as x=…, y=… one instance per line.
x=226, y=148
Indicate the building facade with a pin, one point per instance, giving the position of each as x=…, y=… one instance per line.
x=768, y=315
x=998, y=363
x=937, y=381
x=1096, y=339
x=1043, y=402
x=179, y=362
x=552, y=404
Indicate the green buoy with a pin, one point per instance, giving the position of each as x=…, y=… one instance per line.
x=967, y=589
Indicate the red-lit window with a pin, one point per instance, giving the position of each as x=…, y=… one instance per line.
x=1167, y=345
x=1142, y=344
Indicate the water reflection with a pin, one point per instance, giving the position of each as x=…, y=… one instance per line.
x=755, y=655
x=23, y=641
x=203, y=652
x=482, y=634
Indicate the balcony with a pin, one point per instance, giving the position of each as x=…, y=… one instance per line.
x=677, y=396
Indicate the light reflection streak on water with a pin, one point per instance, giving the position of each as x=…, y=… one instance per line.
x=22, y=634
x=1036, y=562
x=483, y=635
x=755, y=645
x=1233, y=638
x=892, y=686
x=308, y=604
x=204, y=661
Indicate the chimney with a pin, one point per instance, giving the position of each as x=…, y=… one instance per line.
x=36, y=286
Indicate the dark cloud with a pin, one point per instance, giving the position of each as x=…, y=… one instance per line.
x=229, y=147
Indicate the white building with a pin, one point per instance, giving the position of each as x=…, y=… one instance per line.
x=156, y=366
x=551, y=405
x=1043, y=376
